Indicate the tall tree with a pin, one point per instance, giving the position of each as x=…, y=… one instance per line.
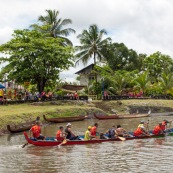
x=92, y=44
x=119, y=57
x=35, y=58
x=54, y=26
x=156, y=64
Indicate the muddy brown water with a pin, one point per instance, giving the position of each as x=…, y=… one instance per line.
x=136, y=156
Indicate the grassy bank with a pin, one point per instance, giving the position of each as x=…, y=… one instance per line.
x=19, y=113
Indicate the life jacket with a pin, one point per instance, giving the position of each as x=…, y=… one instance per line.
x=93, y=131
x=157, y=130
x=111, y=133
x=36, y=130
x=58, y=135
x=138, y=132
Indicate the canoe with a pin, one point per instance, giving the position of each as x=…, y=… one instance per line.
x=50, y=141
x=64, y=119
x=115, y=116
x=20, y=128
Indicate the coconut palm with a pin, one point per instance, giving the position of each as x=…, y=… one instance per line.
x=142, y=81
x=166, y=82
x=92, y=44
x=54, y=26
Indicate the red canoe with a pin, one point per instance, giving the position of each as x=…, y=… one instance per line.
x=50, y=141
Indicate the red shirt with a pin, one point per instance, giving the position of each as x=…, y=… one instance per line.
x=36, y=130
x=93, y=131
x=157, y=130
x=138, y=132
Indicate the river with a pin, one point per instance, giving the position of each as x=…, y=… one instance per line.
x=135, y=156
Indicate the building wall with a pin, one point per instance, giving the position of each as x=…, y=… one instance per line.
x=85, y=79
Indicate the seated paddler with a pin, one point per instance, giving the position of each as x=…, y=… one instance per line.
x=121, y=132
x=88, y=135
x=94, y=130
x=69, y=134
x=35, y=131
x=111, y=132
x=164, y=124
x=140, y=131
x=60, y=135
x=158, y=129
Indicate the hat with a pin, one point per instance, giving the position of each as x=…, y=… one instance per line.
x=68, y=124
x=142, y=122
x=166, y=121
x=89, y=127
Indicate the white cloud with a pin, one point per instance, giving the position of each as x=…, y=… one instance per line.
x=143, y=25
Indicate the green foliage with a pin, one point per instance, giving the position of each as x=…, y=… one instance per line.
x=61, y=93
x=156, y=64
x=153, y=90
x=166, y=82
x=142, y=81
x=35, y=58
x=119, y=57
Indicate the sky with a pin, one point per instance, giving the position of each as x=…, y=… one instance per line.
x=142, y=25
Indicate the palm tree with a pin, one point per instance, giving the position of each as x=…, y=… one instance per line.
x=54, y=26
x=120, y=81
x=142, y=81
x=92, y=44
x=166, y=82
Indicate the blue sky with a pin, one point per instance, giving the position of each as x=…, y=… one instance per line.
x=143, y=25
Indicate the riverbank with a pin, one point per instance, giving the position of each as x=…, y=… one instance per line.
x=21, y=113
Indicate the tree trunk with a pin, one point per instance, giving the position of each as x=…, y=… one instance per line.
x=41, y=84
x=96, y=75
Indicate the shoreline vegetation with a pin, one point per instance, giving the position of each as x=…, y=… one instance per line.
x=21, y=113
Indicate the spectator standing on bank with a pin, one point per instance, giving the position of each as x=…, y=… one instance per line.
x=106, y=95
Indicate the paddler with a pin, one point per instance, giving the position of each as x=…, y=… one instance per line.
x=158, y=129
x=140, y=131
x=36, y=131
x=164, y=124
x=88, y=135
x=69, y=134
x=60, y=135
x=94, y=130
x=121, y=132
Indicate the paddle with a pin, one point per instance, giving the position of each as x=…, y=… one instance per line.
x=24, y=145
x=147, y=128
x=121, y=138
x=63, y=142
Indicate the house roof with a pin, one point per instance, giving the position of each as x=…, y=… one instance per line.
x=91, y=66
